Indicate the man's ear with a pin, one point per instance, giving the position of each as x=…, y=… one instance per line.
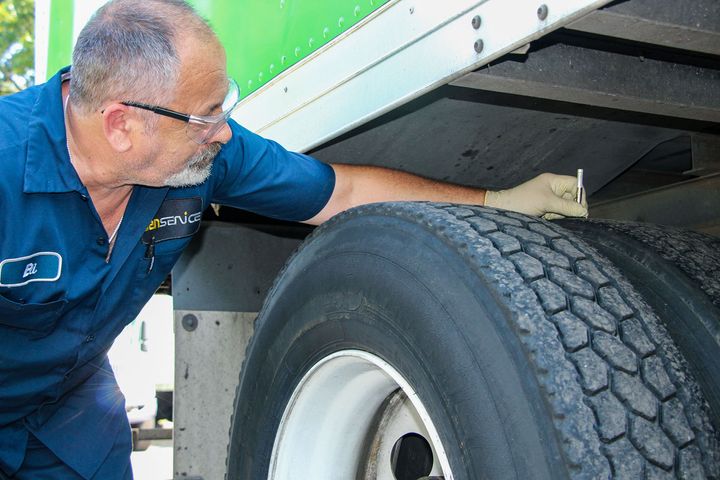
x=118, y=125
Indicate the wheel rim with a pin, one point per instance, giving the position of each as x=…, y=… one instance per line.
x=345, y=419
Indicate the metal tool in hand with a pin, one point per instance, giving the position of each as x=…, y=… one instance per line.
x=580, y=187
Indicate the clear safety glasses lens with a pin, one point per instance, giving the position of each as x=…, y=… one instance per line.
x=202, y=128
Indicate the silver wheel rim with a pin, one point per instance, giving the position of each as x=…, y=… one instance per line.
x=344, y=418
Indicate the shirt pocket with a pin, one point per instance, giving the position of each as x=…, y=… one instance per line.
x=35, y=319
x=174, y=246
x=161, y=256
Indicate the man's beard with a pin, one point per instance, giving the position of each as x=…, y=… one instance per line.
x=197, y=169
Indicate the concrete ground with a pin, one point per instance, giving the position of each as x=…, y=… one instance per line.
x=155, y=463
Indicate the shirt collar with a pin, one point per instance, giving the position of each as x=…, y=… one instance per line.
x=47, y=166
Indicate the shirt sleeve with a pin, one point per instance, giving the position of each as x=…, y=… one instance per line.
x=259, y=175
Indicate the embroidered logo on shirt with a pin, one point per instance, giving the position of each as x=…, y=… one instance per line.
x=176, y=218
x=38, y=267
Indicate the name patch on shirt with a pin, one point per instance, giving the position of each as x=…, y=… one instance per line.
x=38, y=267
x=176, y=218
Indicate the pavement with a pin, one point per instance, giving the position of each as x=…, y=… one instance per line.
x=155, y=463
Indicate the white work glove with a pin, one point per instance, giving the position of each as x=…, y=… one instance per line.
x=548, y=195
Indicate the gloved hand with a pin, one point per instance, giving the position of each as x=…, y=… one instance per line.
x=548, y=195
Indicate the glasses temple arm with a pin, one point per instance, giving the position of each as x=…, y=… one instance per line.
x=159, y=110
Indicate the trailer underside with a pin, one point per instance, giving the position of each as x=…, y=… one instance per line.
x=629, y=93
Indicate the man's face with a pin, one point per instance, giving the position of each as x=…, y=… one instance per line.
x=175, y=159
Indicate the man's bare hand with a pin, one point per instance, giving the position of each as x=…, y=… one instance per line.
x=548, y=195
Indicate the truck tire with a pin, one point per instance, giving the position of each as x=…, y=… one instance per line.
x=695, y=254
x=678, y=274
x=485, y=344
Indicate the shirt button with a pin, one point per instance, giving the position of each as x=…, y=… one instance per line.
x=84, y=198
x=100, y=241
x=89, y=338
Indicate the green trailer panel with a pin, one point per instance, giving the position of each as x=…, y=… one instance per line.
x=61, y=35
x=262, y=38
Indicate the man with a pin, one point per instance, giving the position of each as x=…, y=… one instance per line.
x=91, y=161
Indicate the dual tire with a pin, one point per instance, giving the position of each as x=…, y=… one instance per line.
x=678, y=273
x=417, y=340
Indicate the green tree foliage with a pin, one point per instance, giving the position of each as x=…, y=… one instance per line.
x=17, y=18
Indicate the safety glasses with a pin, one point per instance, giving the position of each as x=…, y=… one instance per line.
x=200, y=128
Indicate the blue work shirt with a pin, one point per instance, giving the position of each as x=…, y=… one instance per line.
x=62, y=304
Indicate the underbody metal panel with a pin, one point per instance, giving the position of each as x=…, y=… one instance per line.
x=408, y=49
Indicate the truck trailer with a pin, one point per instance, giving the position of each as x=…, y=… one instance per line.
x=420, y=340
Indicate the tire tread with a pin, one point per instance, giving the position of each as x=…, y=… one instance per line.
x=648, y=415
